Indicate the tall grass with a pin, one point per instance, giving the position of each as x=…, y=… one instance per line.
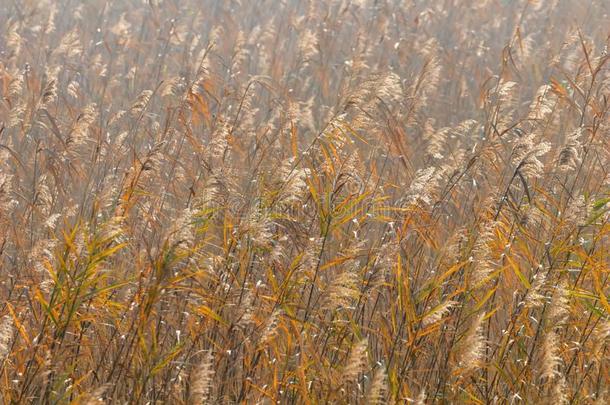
x=304, y=201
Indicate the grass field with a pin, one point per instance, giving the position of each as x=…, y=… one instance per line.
x=304, y=201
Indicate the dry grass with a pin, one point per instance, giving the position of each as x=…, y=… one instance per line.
x=304, y=201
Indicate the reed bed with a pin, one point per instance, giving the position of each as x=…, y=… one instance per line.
x=304, y=202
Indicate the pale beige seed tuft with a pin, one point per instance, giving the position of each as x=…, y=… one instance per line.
x=550, y=357
x=6, y=334
x=203, y=376
x=379, y=387
x=356, y=361
x=473, y=346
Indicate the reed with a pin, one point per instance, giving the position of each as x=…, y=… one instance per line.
x=304, y=201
